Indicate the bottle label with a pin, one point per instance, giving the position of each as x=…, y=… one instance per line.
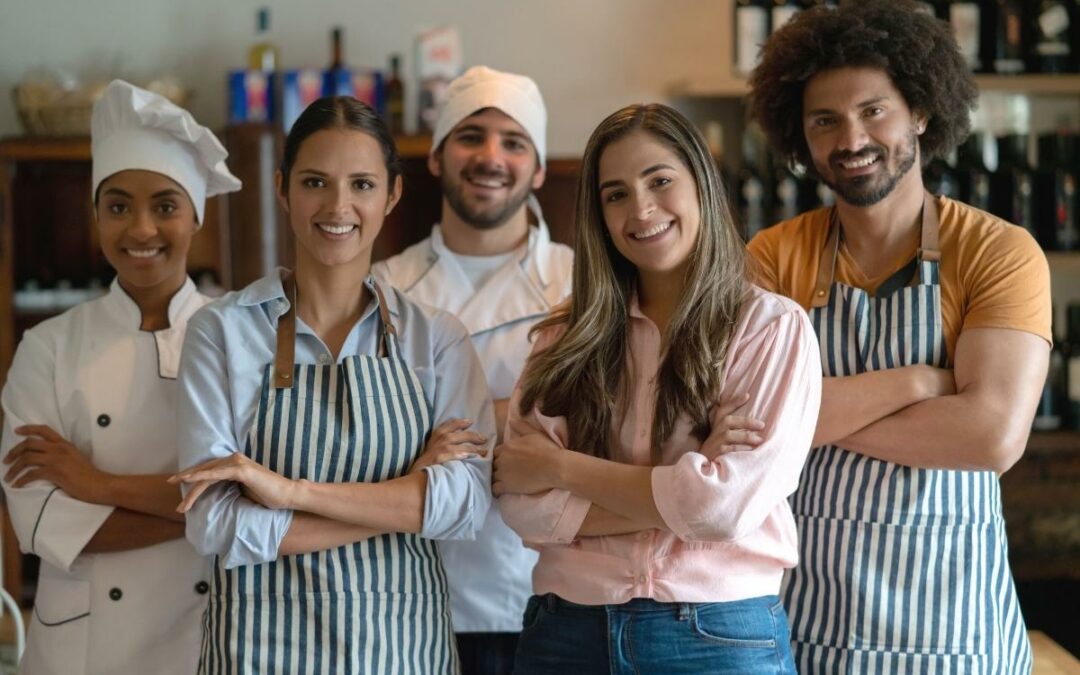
x=966, y=18
x=751, y=30
x=1054, y=22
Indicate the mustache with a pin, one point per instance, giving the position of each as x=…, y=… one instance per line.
x=865, y=153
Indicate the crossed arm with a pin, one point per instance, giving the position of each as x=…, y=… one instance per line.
x=912, y=415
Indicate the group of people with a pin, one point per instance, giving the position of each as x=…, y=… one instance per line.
x=664, y=451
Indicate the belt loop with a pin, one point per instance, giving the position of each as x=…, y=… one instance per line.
x=685, y=609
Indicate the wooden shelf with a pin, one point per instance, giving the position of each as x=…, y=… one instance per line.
x=1050, y=85
x=77, y=148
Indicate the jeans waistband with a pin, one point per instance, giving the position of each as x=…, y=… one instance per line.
x=554, y=603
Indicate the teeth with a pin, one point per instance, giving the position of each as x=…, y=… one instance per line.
x=859, y=163
x=652, y=231
x=144, y=252
x=488, y=183
x=336, y=229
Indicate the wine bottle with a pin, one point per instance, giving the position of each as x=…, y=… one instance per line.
x=263, y=55
x=395, y=98
x=1010, y=44
x=1050, y=414
x=972, y=174
x=751, y=30
x=1071, y=351
x=966, y=20
x=1052, y=29
x=1014, y=183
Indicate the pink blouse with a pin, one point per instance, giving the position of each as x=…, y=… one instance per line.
x=730, y=533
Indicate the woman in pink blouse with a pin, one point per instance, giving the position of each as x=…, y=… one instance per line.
x=661, y=423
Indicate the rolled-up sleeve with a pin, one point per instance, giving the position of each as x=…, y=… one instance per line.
x=458, y=492
x=222, y=521
x=721, y=496
x=47, y=521
x=555, y=516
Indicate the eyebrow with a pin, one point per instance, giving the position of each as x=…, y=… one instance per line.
x=652, y=169
x=168, y=192
x=861, y=104
x=475, y=128
x=320, y=174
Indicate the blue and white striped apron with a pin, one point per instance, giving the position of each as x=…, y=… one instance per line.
x=901, y=570
x=375, y=606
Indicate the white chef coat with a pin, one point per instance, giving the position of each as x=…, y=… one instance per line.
x=109, y=388
x=490, y=578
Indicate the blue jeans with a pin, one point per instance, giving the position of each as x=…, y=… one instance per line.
x=744, y=637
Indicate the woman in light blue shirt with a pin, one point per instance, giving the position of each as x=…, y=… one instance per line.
x=306, y=401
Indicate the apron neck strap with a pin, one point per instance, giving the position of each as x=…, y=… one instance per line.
x=929, y=250
x=285, y=354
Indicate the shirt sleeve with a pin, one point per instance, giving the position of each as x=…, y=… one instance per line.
x=552, y=517
x=222, y=521
x=762, y=261
x=47, y=521
x=458, y=492
x=713, y=495
x=1008, y=284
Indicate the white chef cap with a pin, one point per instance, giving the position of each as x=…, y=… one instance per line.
x=132, y=128
x=482, y=87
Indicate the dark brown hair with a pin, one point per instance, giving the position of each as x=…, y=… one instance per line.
x=917, y=51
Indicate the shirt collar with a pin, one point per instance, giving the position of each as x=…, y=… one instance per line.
x=181, y=305
x=269, y=289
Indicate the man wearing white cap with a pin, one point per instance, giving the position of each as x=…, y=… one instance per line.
x=89, y=421
x=491, y=262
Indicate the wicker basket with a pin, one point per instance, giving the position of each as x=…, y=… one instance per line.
x=46, y=112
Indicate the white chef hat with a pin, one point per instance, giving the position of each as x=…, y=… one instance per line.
x=482, y=87
x=132, y=128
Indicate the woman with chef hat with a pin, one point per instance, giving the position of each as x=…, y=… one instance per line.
x=89, y=412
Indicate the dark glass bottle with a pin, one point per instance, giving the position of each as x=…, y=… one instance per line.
x=1057, y=194
x=751, y=192
x=751, y=24
x=395, y=98
x=1052, y=34
x=1010, y=37
x=972, y=174
x=1014, y=183
x=966, y=19
x=940, y=179
x=1053, y=404
x=1071, y=351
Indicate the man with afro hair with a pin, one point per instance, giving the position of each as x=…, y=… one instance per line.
x=934, y=324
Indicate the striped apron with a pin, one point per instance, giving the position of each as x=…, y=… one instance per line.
x=375, y=606
x=901, y=570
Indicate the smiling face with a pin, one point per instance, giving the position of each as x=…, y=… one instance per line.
x=145, y=224
x=339, y=194
x=650, y=203
x=862, y=136
x=488, y=166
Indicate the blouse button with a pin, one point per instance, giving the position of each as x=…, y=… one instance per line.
x=643, y=578
x=103, y=420
x=202, y=588
x=115, y=594
x=643, y=536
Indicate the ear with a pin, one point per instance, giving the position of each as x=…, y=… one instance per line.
x=921, y=121
x=434, y=163
x=539, y=175
x=281, y=198
x=395, y=195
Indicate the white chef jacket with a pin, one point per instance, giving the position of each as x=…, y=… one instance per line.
x=109, y=388
x=490, y=578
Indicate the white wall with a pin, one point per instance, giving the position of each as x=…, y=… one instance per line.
x=588, y=56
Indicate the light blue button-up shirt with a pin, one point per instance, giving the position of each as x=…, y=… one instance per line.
x=226, y=349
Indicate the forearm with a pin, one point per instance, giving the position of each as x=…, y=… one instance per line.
x=601, y=522
x=502, y=407
x=623, y=489
x=390, y=506
x=126, y=530
x=853, y=402
x=149, y=494
x=963, y=431
x=309, y=533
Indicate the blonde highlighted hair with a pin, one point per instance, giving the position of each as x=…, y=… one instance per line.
x=583, y=373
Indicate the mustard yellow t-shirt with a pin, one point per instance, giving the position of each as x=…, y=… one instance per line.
x=992, y=274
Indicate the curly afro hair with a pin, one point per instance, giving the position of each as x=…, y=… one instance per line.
x=917, y=51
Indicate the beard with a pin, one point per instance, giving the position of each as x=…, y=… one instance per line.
x=484, y=215
x=872, y=188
